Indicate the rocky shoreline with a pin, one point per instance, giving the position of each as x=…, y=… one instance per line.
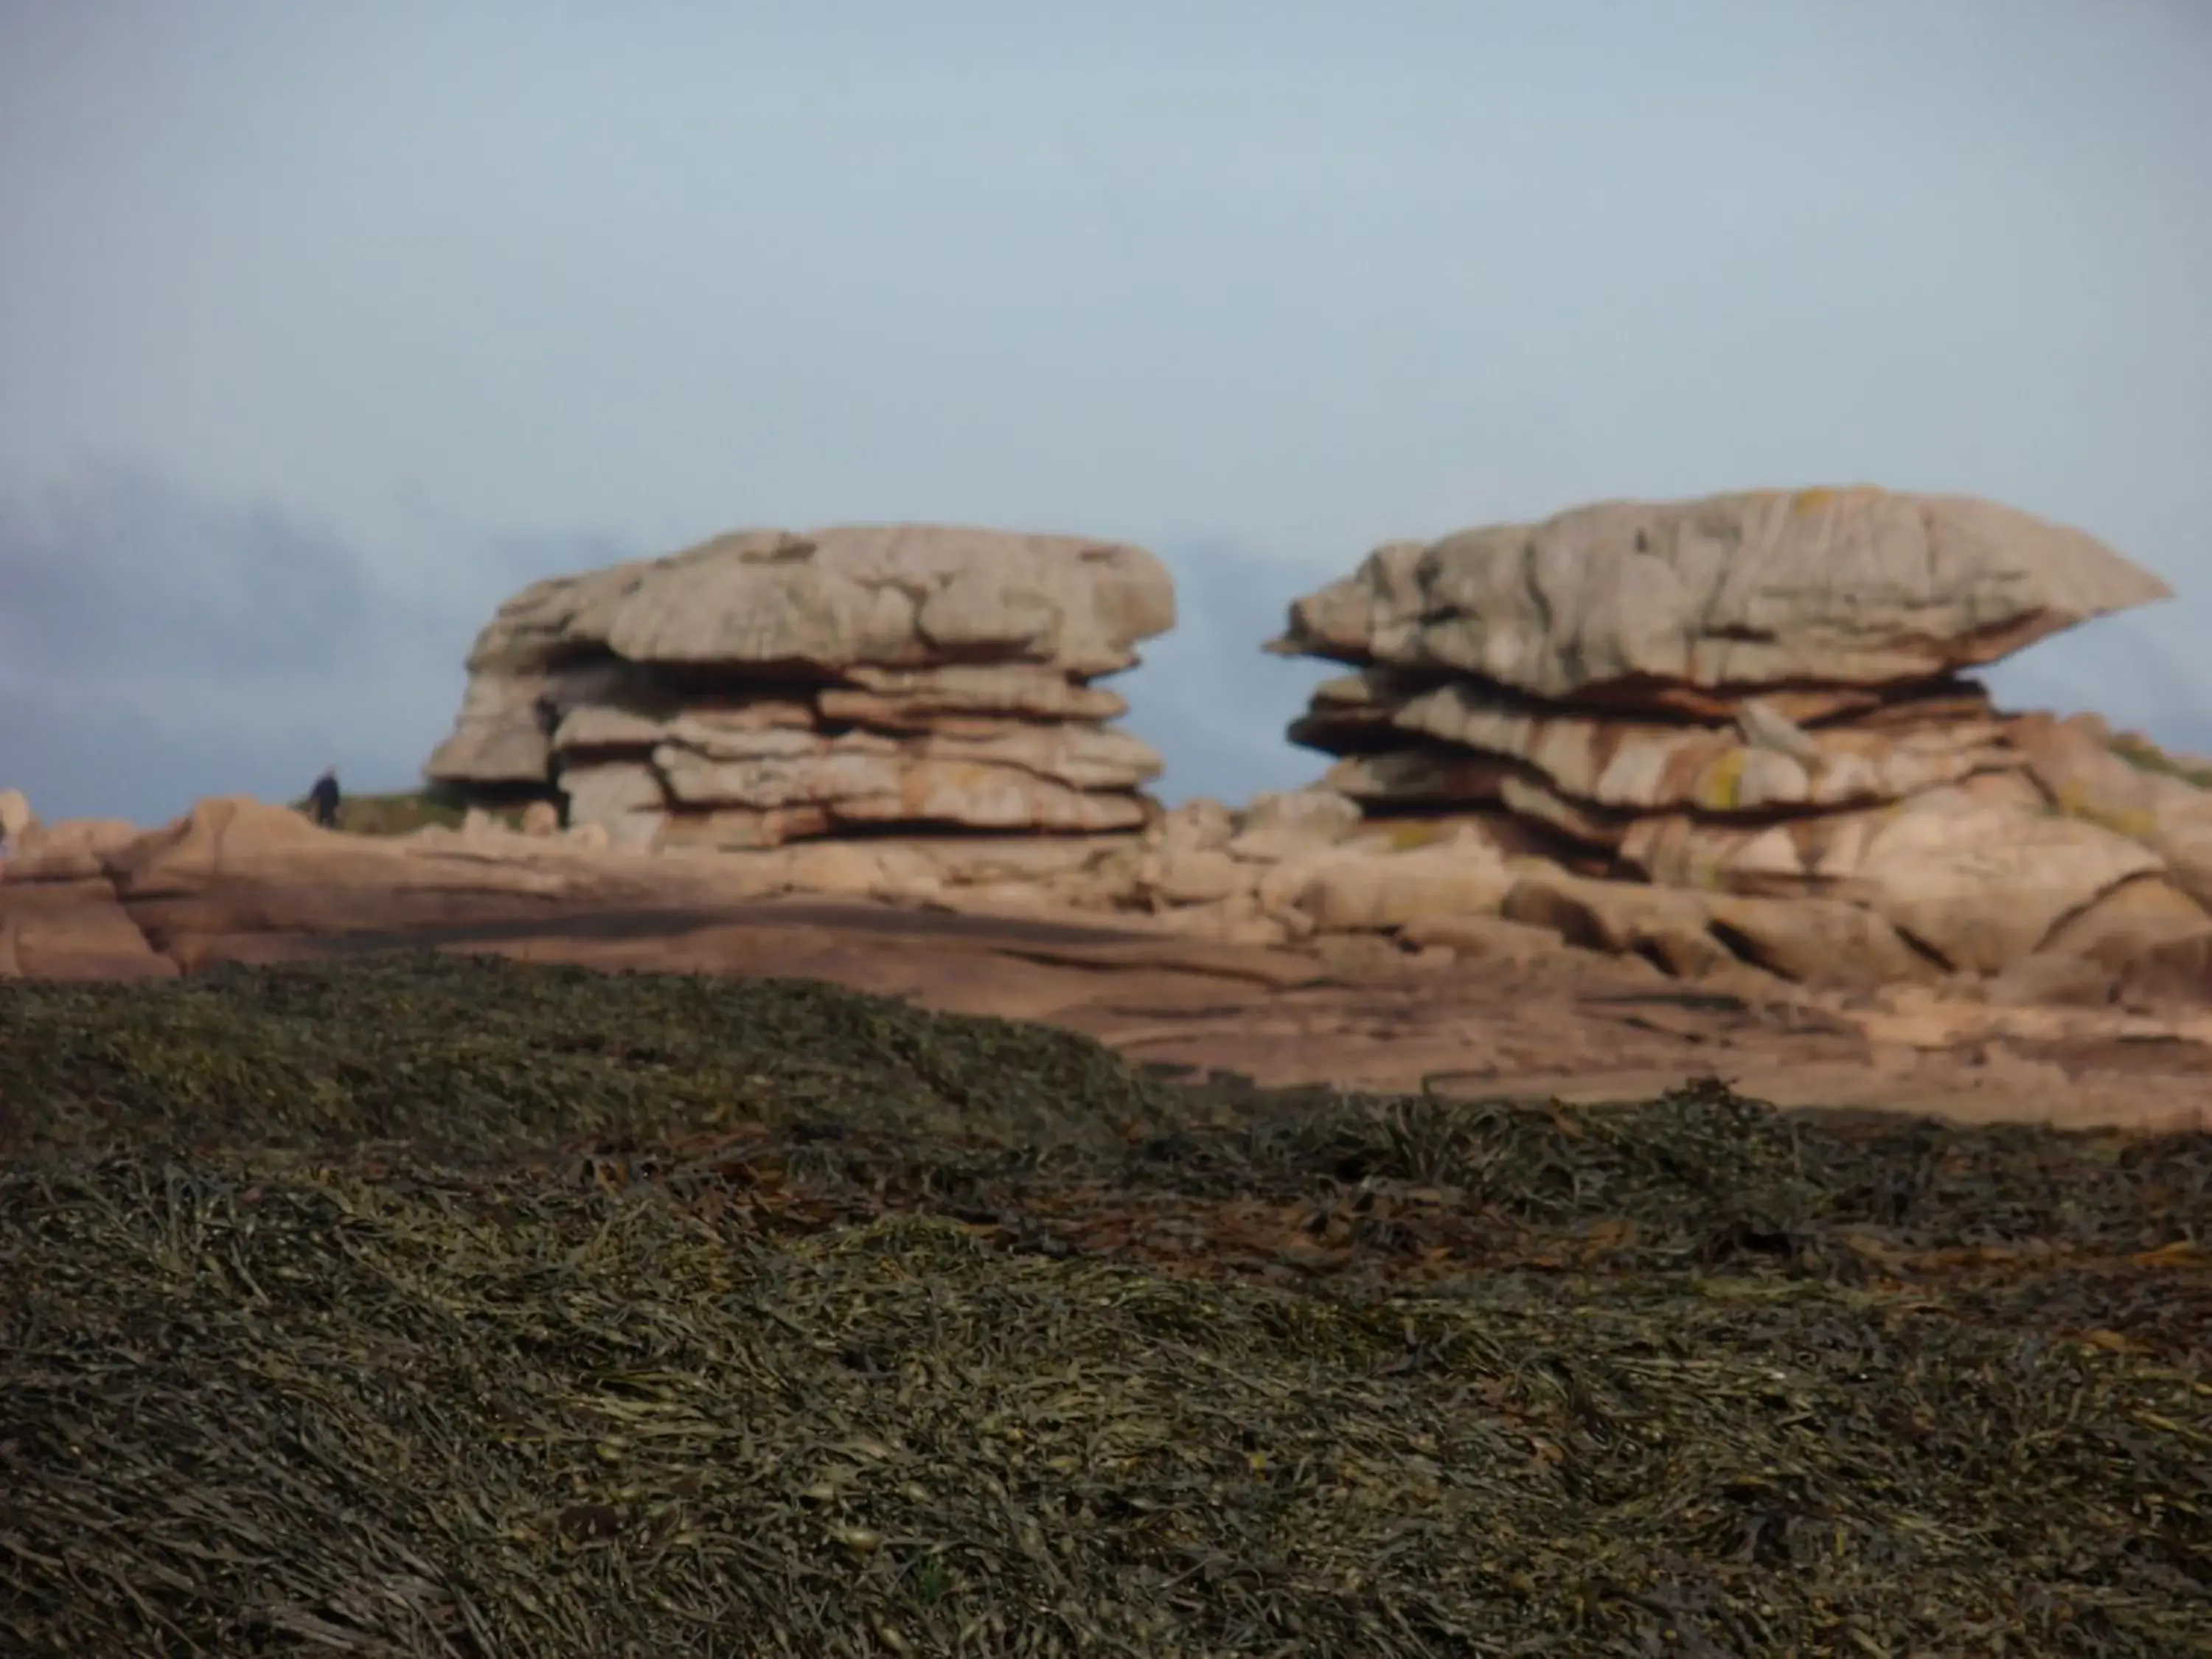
x=1727, y=746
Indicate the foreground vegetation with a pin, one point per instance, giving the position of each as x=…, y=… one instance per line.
x=439, y=1306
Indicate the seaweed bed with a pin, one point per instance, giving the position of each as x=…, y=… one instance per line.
x=435, y=1305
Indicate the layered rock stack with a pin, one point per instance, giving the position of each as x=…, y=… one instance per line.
x=1752, y=697
x=767, y=687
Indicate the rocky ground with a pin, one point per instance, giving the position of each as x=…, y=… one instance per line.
x=1512, y=1009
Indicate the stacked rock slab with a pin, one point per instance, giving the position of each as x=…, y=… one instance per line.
x=1758, y=695
x=768, y=686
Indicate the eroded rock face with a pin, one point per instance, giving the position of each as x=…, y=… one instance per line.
x=768, y=686
x=1729, y=737
x=60, y=917
x=1846, y=587
x=1744, y=714
x=1761, y=761
x=2127, y=786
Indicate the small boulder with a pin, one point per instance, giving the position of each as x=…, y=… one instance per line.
x=1278, y=824
x=1351, y=893
x=1199, y=824
x=2177, y=971
x=69, y=849
x=2050, y=979
x=1481, y=938
x=1666, y=925
x=1193, y=875
x=1816, y=941
x=2135, y=917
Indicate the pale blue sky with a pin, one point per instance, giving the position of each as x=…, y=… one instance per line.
x=326, y=326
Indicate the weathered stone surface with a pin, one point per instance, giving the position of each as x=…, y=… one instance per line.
x=547, y=621
x=1751, y=703
x=726, y=726
x=499, y=736
x=72, y=928
x=2134, y=919
x=1856, y=586
x=1442, y=780
x=996, y=797
x=60, y=917
x=1278, y=824
x=888, y=595
x=1815, y=940
x=1981, y=888
x=921, y=699
x=502, y=736
x=1041, y=859
x=785, y=686
x=624, y=798
x=1355, y=893
x=1369, y=696
x=1198, y=824
x=700, y=765
x=1822, y=941
x=1517, y=1015
x=2126, y=785
x=69, y=849
x=1086, y=757
x=1352, y=714
x=1972, y=873
x=863, y=782
x=1729, y=735
x=1623, y=918
x=1195, y=876
x=1473, y=937
x=2177, y=971
x=1429, y=776
x=1764, y=763
x=2050, y=979
x=235, y=867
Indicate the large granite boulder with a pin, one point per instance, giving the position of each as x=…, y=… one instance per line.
x=766, y=686
x=1759, y=700
x=1657, y=602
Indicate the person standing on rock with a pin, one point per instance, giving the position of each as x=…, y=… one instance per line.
x=322, y=800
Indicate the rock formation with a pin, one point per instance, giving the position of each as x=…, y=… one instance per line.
x=1733, y=737
x=1756, y=698
x=1551, y=1001
x=767, y=687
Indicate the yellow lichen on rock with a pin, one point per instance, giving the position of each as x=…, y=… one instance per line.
x=1720, y=787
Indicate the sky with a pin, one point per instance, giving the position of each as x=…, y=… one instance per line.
x=324, y=327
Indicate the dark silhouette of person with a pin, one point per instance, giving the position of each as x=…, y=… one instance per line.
x=322, y=800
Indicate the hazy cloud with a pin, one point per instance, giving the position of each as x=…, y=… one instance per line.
x=157, y=644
